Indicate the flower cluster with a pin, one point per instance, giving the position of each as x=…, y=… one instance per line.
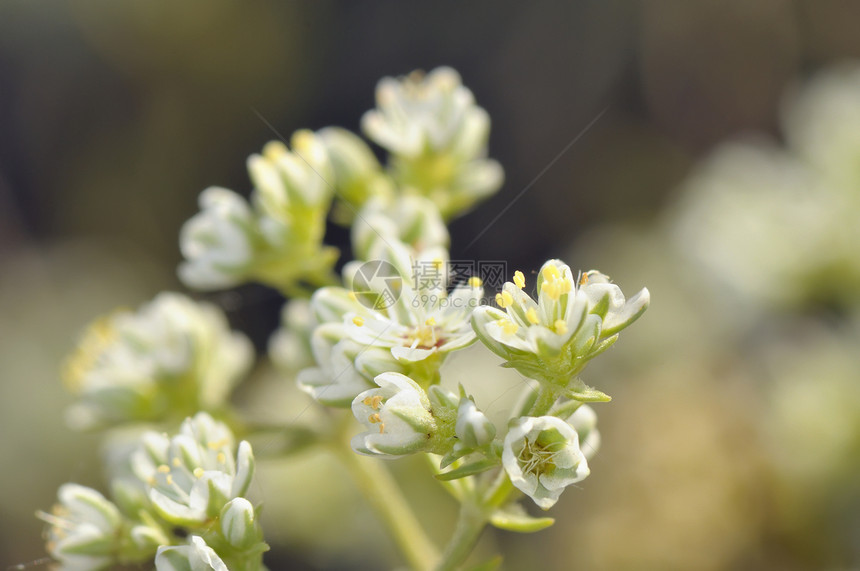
x=373, y=342
x=193, y=482
x=171, y=358
x=277, y=239
x=437, y=138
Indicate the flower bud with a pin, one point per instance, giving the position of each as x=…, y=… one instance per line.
x=239, y=524
x=473, y=428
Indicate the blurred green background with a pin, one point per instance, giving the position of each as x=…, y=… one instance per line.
x=733, y=441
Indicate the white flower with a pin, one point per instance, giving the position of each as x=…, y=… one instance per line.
x=196, y=556
x=541, y=456
x=412, y=220
x=171, y=357
x=85, y=529
x=193, y=475
x=239, y=524
x=397, y=415
x=553, y=338
x=473, y=428
x=437, y=136
x=336, y=381
x=418, y=323
x=217, y=243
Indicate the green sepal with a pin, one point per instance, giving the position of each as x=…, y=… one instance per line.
x=527, y=367
x=583, y=393
x=468, y=469
x=514, y=518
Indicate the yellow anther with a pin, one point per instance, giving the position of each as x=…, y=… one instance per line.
x=437, y=263
x=504, y=299
x=560, y=327
x=373, y=402
x=198, y=472
x=221, y=458
x=218, y=444
x=430, y=321
x=381, y=427
x=164, y=469
x=532, y=316
x=374, y=418
x=552, y=289
x=169, y=480
x=176, y=462
x=151, y=481
x=583, y=279
x=475, y=281
x=358, y=321
x=351, y=295
x=508, y=326
x=551, y=273
x=519, y=279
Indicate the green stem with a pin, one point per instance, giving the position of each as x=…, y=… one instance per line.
x=546, y=398
x=381, y=490
x=470, y=525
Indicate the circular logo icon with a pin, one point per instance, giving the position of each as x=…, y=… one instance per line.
x=377, y=284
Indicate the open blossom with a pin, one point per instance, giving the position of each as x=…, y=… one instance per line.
x=397, y=416
x=193, y=475
x=553, y=337
x=541, y=456
x=411, y=317
x=174, y=355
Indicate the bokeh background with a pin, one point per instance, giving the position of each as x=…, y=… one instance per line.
x=733, y=441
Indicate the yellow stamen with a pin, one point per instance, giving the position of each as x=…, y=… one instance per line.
x=358, y=321
x=508, y=326
x=198, y=472
x=177, y=462
x=583, y=279
x=504, y=299
x=551, y=273
x=221, y=458
x=475, y=281
x=373, y=402
x=430, y=321
x=374, y=418
x=532, y=316
x=560, y=327
x=519, y=279
x=352, y=296
x=218, y=444
x=169, y=480
x=552, y=289
x=164, y=469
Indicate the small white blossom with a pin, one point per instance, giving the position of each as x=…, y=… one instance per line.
x=412, y=220
x=336, y=381
x=196, y=556
x=541, y=456
x=571, y=322
x=85, y=528
x=437, y=136
x=239, y=524
x=473, y=428
x=417, y=326
x=217, y=242
x=194, y=474
x=171, y=357
x=397, y=415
